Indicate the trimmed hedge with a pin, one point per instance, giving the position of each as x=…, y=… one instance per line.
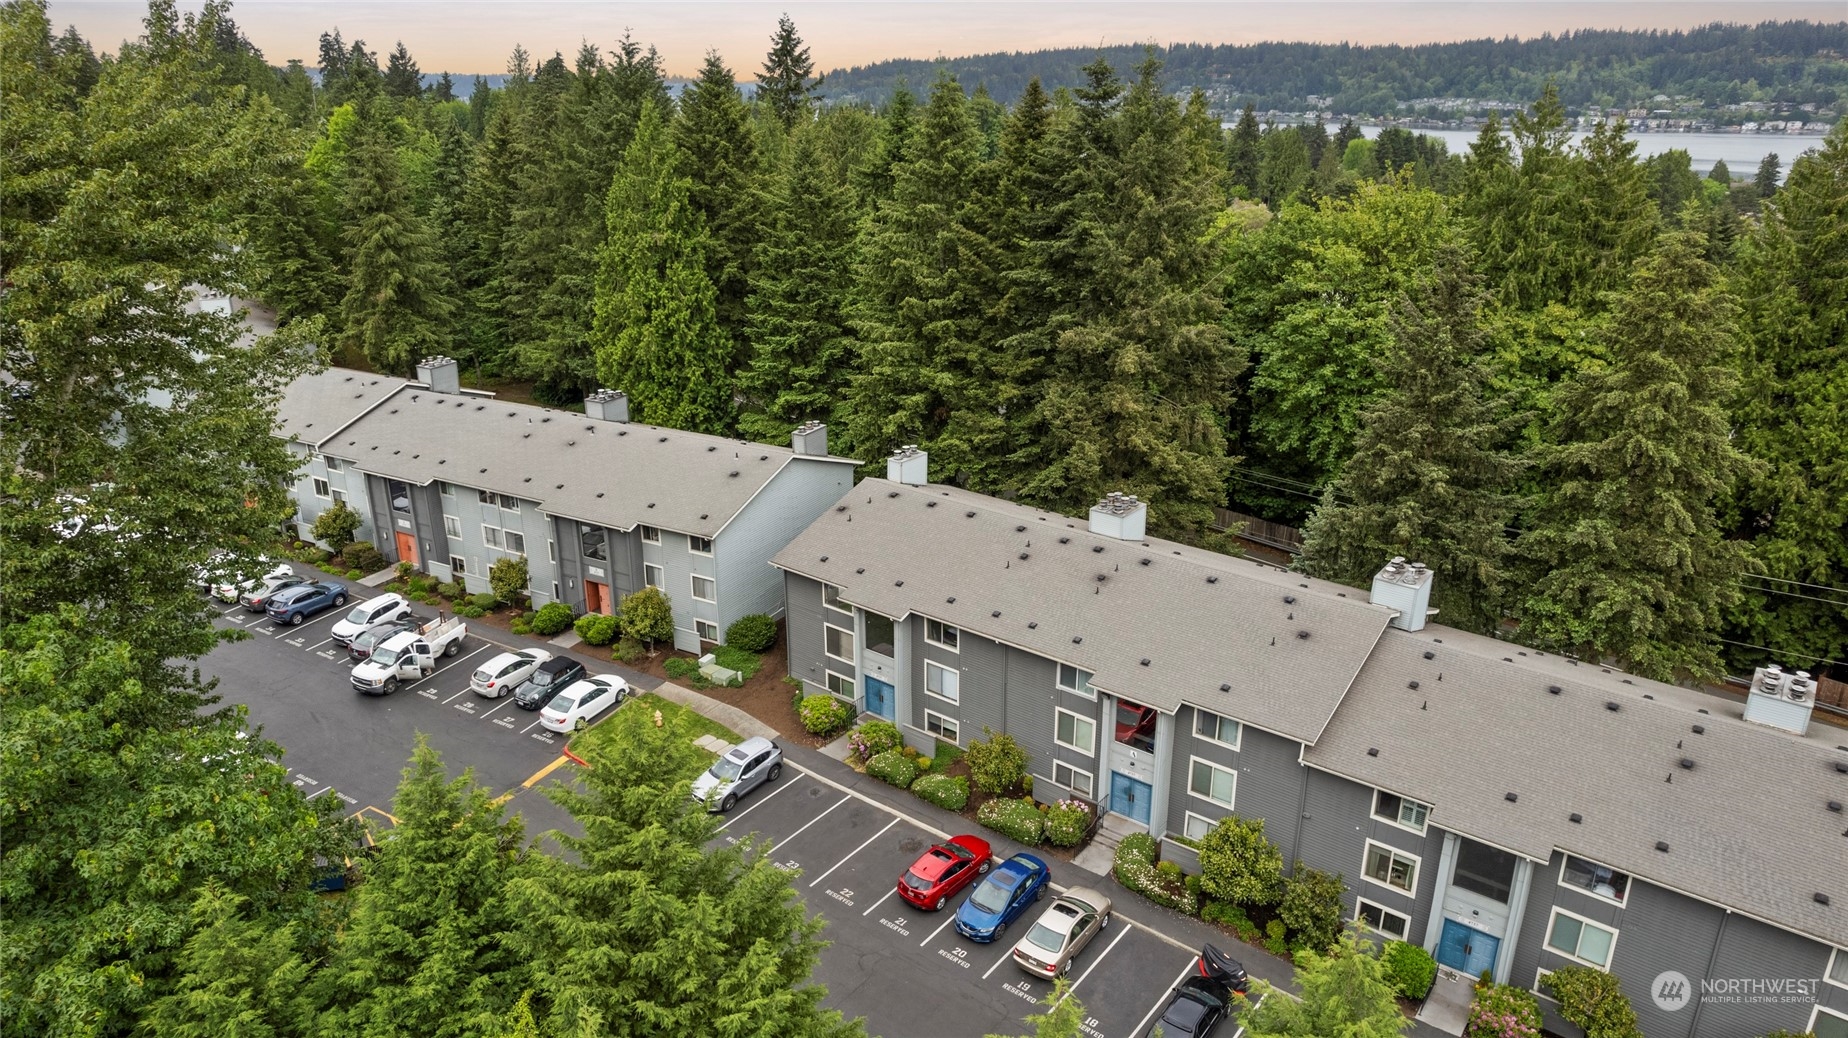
x=485, y=600
x=1066, y=823
x=1594, y=1000
x=1408, y=968
x=1503, y=1011
x=874, y=738
x=753, y=633
x=894, y=767
x=552, y=618
x=362, y=555
x=594, y=628
x=950, y=792
x=1135, y=868
x=1019, y=820
x=824, y=715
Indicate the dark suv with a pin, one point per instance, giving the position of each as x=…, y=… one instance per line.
x=552, y=677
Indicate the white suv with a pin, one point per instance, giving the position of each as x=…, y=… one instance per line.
x=369, y=615
x=506, y=672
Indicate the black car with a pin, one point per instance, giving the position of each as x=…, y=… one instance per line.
x=553, y=676
x=1204, y=999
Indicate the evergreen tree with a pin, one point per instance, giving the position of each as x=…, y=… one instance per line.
x=1286, y=168
x=1769, y=169
x=1344, y=993
x=656, y=333
x=988, y=115
x=1526, y=244
x=874, y=177
x=784, y=85
x=1627, y=558
x=291, y=243
x=296, y=96
x=402, y=76
x=1720, y=174
x=1205, y=139
x=1315, y=138
x=333, y=58
x=489, y=192
x=1616, y=220
x=240, y=975
x=1349, y=133
x=1428, y=480
x=717, y=154
x=1245, y=154
x=445, y=89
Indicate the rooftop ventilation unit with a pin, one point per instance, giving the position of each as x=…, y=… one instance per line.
x=1404, y=588
x=909, y=466
x=1781, y=700
x=441, y=374
x=607, y=405
x=810, y=439
x=1121, y=516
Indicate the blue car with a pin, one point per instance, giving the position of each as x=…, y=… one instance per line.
x=293, y=605
x=1002, y=897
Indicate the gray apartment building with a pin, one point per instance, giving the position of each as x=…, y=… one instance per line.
x=1509, y=810
x=452, y=480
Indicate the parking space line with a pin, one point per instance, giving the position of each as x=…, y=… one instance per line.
x=761, y=801
x=1163, y=1000
x=465, y=688
x=1240, y=1033
x=920, y=823
x=855, y=851
x=785, y=841
x=529, y=727
x=1124, y=932
x=1005, y=955
x=504, y=700
x=933, y=934
x=317, y=792
x=318, y=644
x=879, y=902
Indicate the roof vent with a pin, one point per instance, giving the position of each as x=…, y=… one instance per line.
x=824, y=558
x=1020, y=529
x=1575, y=818
x=1302, y=634
x=1820, y=897
x=1612, y=705
x=1411, y=685
x=1120, y=516
x=891, y=493
x=1781, y=700
x=440, y=373
x=1032, y=625
x=1145, y=562
x=996, y=614
x=909, y=466
x=898, y=583
x=862, y=569
x=709, y=450
x=1289, y=600
x=1096, y=548
x=1212, y=580
x=608, y=405
x=969, y=515
x=1062, y=540
x=1842, y=766
x=1511, y=797
x=1700, y=729
x=840, y=508
x=1662, y=845
x=1145, y=661
x=1835, y=806
x=1078, y=640
x=810, y=439
x=1429, y=655
x=950, y=600
x=734, y=473
x=1687, y=764
x=1404, y=588
x=1101, y=577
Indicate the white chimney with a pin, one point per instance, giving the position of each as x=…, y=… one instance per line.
x=441, y=374
x=909, y=466
x=810, y=438
x=1781, y=700
x=1120, y=516
x=1405, y=588
x=608, y=405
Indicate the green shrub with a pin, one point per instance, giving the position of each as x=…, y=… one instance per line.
x=1227, y=915
x=406, y=570
x=753, y=633
x=875, y=737
x=648, y=617
x=362, y=555
x=679, y=667
x=894, y=767
x=1594, y=1000
x=1311, y=907
x=552, y=618
x=354, y=574
x=824, y=715
x=699, y=681
x=1503, y=1011
x=594, y=628
x=1135, y=868
x=628, y=650
x=923, y=763
x=950, y=792
x=997, y=764
x=1238, y=864
x=451, y=589
x=508, y=576
x=489, y=601
x=518, y=626
x=1019, y=820
x=1276, y=947
x=336, y=526
x=747, y=664
x=1408, y=968
x=469, y=611
x=1067, y=822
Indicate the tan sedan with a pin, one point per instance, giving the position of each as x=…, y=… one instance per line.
x=1062, y=931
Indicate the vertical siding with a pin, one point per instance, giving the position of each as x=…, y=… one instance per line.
x=800, y=491
x=625, y=552
x=427, y=517
x=570, y=562
x=536, y=527
x=1657, y=930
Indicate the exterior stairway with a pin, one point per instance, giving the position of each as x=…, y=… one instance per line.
x=1101, y=851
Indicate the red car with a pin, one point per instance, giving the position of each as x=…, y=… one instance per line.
x=944, y=871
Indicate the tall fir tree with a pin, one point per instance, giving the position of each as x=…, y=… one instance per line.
x=783, y=85
x=1430, y=478
x=1245, y=154
x=874, y=176
x=1626, y=558
x=445, y=89
x=239, y=975
x=1769, y=170
x=1285, y=168
x=403, y=79
x=1616, y=220
x=488, y=195
x=656, y=334
x=718, y=155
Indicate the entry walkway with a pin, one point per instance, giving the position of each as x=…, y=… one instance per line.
x=1447, y=1009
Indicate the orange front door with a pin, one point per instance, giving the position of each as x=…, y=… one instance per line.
x=597, y=598
x=407, y=548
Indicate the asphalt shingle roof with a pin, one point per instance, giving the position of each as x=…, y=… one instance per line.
x=1748, y=826
x=1268, y=647
x=317, y=405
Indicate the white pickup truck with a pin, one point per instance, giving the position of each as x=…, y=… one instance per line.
x=408, y=656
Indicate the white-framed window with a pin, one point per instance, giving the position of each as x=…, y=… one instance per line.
x=1391, y=867
x=654, y=576
x=699, y=545
x=941, y=634
x=1837, y=972
x=942, y=681
x=1074, y=731
x=456, y=568
x=1827, y=1023
x=515, y=541
x=1382, y=920
x=1214, y=782
x=491, y=536
x=940, y=726
x=1195, y=826
x=551, y=551
x=446, y=489
x=651, y=535
x=320, y=487
x=339, y=497
x=706, y=630
x=333, y=464
x=831, y=597
x=1600, y=881
x=838, y=643
x=554, y=590
x=1214, y=728
x=1077, y=780
x=840, y=684
x=704, y=589
x=452, y=527
x=1540, y=991
x=509, y=502
x=1072, y=679
x=486, y=497
x=1580, y=939
x=1403, y=812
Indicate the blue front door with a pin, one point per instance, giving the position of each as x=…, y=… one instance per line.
x=1129, y=797
x=879, y=698
x=1465, y=949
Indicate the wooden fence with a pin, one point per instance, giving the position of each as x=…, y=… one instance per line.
x=1263, y=531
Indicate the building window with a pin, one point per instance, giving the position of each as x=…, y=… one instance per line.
x=1484, y=870
x=593, y=541
x=446, y=489
x=940, y=726
x=839, y=643
x=456, y=568
x=1381, y=920
x=333, y=464
x=1209, y=781
x=699, y=545
x=1838, y=967
x=1135, y=725
x=1195, y=827
x=320, y=487
x=880, y=634
x=515, y=541
x=452, y=527
x=840, y=684
x=339, y=497
x=652, y=575
x=399, y=493
x=1077, y=780
x=1074, y=731
x=1579, y=938
x=651, y=535
x=1599, y=881
x=551, y=551
x=1400, y=811
x=942, y=682
x=1071, y=679
x=1392, y=868
x=1540, y=990
x=706, y=630
x=486, y=497
x=1827, y=1023
x=491, y=536
x=1214, y=728
x=509, y=502
x=704, y=590
x=831, y=597
x=939, y=633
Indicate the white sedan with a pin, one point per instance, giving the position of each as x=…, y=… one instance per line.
x=580, y=703
x=228, y=587
x=506, y=672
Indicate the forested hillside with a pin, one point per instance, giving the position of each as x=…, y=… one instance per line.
x=1786, y=63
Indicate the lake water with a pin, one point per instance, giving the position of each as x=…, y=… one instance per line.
x=1742, y=151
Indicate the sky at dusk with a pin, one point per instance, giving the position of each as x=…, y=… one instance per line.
x=475, y=36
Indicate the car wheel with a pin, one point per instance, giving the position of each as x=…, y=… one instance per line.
x=391, y=685
x=453, y=647
x=1000, y=928
x=775, y=770
x=941, y=901
x=578, y=725
x=1040, y=894
x=296, y=620
x=730, y=801
x=1104, y=924
x=339, y=600
x=982, y=869
x=1065, y=968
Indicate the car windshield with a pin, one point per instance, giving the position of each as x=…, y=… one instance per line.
x=543, y=678
x=915, y=881
x=992, y=895
x=1043, y=936
x=727, y=769
x=386, y=657
x=1184, y=1014
x=563, y=704
x=359, y=614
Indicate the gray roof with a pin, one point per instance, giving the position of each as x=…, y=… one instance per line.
x=1748, y=827
x=615, y=474
x=317, y=405
x=1202, y=620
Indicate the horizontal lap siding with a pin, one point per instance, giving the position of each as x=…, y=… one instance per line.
x=1752, y=950
x=984, y=666
x=808, y=658
x=1657, y=930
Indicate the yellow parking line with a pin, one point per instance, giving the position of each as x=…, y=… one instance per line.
x=539, y=776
